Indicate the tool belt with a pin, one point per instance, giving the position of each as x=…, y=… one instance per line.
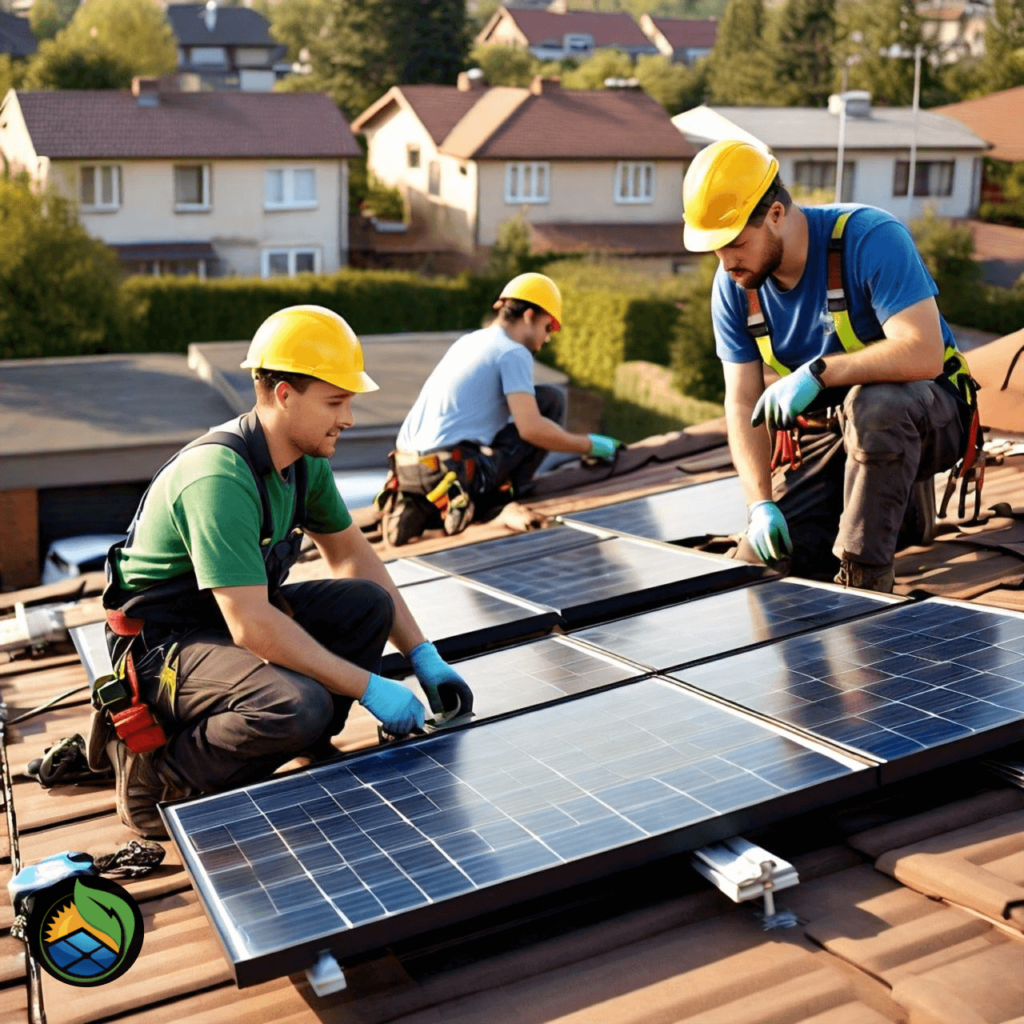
x=957, y=380
x=444, y=478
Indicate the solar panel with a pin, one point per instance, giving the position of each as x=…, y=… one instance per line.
x=391, y=843
x=91, y=644
x=404, y=572
x=615, y=577
x=916, y=687
x=507, y=550
x=710, y=626
x=536, y=673
x=463, y=619
x=717, y=509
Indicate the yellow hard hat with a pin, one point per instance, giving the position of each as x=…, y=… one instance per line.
x=310, y=340
x=539, y=290
x=723, y=185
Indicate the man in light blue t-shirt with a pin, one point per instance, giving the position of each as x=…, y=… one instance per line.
x=479, y=423
x=836, y=300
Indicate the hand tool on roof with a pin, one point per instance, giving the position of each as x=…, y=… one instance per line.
x=744, y=871
x=34, y=627
x=446, y=720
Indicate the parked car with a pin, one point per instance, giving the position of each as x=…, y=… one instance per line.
x=73, y=556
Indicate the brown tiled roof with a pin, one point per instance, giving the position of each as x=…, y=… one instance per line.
x=92, y=124
x=569, y=125
x=664, y=239
x=615, y=28
x=682, y=33
x=235, y=26
x=439, y=107
x=997, y=118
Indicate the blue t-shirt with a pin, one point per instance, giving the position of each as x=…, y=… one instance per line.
x=464, y=398
x=883, y=274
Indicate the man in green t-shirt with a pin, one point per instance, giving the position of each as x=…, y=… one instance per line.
x=237, y=672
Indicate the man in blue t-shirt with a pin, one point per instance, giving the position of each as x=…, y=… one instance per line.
x=480, y=422
x=777, y=299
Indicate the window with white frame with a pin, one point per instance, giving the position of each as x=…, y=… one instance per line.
x=289, y=188
x=931, y=178
x=816, y=175
x=289, y=262
x=634, y=182
x=191, y=187
x=527, y=182
x=99, y=186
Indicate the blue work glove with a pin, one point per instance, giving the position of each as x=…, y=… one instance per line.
x=783, y=401
x=767, y=532
x=446, y=690
x=393, y=705
x=602, y=447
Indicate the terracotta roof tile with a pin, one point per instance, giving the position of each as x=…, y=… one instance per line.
x=606, y=28
x=682, y=33
x=88, y=124
x=997, y=118
x=569, y=125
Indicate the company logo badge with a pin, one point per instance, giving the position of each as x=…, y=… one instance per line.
x=85, y=931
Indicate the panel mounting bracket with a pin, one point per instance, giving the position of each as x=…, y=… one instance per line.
x=326, y=976
x=744, y=871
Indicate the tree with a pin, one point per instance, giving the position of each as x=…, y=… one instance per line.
x=511, y=253
x=1002, y=67
x=675, y=86
x=12, y=73
x=505, y=65
x=802, y=41
x=591, y=74
x=58, y=286
x=295, y=23
x=696, y=369
x=135, y=34
x=48, y=17
x=740, y=71
x=429, y=40
x=57, y=65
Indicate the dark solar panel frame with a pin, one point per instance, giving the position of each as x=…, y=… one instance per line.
x=486, y=816
x=718, y=625
x=483, y=618
x=616, y=577
x=716, y=508
x=916, y=687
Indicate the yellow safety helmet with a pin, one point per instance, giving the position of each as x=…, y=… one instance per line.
x=539, y=290
x=310, y=340
x=722, y=186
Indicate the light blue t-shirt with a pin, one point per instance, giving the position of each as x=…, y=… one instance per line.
x=464, y=398
x=883, y=275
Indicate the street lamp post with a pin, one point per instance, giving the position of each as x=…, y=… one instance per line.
x=912, y=170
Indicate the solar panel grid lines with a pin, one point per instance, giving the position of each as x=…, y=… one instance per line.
x=396, y=840
x=716, y=508
x=614, y=577
x=914, y=687
x=708, y=627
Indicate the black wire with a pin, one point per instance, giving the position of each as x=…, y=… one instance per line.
x=49, y=704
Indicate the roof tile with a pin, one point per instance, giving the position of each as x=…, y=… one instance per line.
x=683, y=33
x=607, y=28
x=997, y=117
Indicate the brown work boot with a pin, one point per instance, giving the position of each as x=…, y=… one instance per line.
x=407, y=519
x=141, y=783
x=866, y=577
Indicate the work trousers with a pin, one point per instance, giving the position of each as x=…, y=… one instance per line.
x=512, y=459
x=848, y=498
x=234, y=719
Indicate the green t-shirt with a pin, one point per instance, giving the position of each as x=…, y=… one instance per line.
x=203, y=513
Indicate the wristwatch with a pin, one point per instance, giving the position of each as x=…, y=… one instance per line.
x=817, y=368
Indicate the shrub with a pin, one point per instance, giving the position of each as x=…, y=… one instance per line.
x=383, y=201
x=696, y=367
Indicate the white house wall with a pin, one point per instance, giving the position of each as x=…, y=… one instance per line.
x=875, y=173
x=581, y=192
x=236, y=224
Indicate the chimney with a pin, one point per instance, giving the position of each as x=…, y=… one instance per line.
x=210, y=15
x=146, y=91
x=560, y=7
x=471, y=80
x=858, y=103
x=622, y=83
x=541, y=86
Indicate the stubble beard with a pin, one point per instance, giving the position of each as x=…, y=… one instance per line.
x=772, y=262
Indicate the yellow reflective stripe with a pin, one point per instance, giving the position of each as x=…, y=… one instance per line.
x=764, y=346
x=840, y=224
x=849, y=340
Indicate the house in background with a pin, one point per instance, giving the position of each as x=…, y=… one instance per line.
x=227, y=47
x=557, y=34
x=876, y=161
x=955, y=28
x=16, y=37
x=575, y=165
x=682, y=40
x=205, y=182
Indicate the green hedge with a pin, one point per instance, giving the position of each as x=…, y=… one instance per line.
x=983, y=306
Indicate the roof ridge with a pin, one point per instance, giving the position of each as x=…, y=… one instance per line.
x=467, y=137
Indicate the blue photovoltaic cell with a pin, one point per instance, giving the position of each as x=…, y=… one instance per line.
x=507, y=551
x=614, y=577
x=716, y=509
x=715, y=625
x=535, y=673
x=461, y=619
x=404, y=572
x=911, y=680
x=285, y=864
